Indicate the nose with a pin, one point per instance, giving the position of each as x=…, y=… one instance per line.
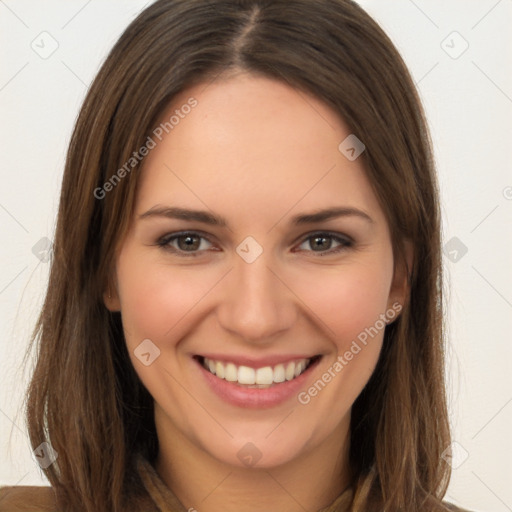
x=257, y=305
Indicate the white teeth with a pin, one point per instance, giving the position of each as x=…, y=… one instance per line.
x=219, y=370
x=257, y=378
x=298, y=369
x=290, y=371
x=231, y=372
x=264, y=375
x=279, y=373
x=246, y=375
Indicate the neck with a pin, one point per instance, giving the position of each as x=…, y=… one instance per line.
x=311, y=481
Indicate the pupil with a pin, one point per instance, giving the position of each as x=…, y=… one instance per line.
x=322, y=244
x=189, y=242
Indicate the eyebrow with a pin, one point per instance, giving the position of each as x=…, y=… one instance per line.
x=215, y=220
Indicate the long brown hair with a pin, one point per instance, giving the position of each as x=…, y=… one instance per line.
x=85, y=398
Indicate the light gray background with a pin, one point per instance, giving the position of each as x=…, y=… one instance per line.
x=468, y=98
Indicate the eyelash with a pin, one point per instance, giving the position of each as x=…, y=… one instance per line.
x=164, y=242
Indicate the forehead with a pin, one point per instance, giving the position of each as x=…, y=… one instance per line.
x=256, y=142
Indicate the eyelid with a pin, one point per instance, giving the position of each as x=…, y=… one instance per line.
x=164, y=241
x=332, y=234
x=344, y=241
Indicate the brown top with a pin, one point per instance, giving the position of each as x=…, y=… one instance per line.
x=166, y=500
x=42, y=499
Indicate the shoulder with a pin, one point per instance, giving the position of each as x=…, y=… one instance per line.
x=27, y=498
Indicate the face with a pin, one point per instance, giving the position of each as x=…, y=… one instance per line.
x=255, y=325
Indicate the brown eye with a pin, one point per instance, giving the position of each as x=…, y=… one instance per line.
x=191, y=243
x=188, y=242
x=322, y=243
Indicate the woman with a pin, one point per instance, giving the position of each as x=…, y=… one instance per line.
x=244, y=309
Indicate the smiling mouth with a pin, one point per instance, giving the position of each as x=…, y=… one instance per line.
x=265, y=377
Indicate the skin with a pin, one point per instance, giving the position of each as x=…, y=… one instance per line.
x=255, y=152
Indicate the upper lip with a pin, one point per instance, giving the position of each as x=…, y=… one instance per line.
x=259, y=362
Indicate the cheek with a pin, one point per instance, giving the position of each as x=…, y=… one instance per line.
x=350, y=303
x=347, y=299
x=156, y=298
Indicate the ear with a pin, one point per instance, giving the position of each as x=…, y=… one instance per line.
x=111, y=298
x=400, y=286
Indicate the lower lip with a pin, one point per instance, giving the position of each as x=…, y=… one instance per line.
x=255, y=398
